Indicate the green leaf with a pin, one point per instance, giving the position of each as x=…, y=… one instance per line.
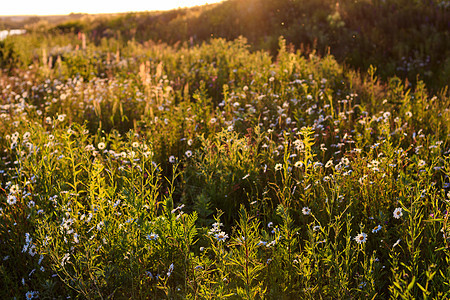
x=411, y=284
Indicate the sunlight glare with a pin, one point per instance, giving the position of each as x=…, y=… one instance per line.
x=53, y=7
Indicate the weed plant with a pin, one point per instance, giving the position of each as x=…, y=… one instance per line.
x=213, y=172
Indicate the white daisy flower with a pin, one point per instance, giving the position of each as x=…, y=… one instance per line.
x=376, y=229
x=361, y=238
x=398, y=213
x=61, y=117
x=101, y=145
x=30, y=295
x=152, y=236
x=221, y=236
x=329, y=163
x=11, y=199
x=306, y=210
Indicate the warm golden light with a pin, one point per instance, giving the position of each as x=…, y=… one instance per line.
x=55, y=7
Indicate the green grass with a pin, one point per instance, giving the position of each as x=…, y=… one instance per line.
x=212, y=172
x=400, y=37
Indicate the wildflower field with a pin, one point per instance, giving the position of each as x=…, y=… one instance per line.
x=211, y=172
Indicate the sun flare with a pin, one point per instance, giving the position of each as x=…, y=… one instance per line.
x=52, y=7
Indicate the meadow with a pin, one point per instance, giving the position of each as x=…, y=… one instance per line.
x=209, y=171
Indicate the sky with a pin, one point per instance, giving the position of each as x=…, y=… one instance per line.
x=63, y=7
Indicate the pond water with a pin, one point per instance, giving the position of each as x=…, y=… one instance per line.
x=5, y=33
